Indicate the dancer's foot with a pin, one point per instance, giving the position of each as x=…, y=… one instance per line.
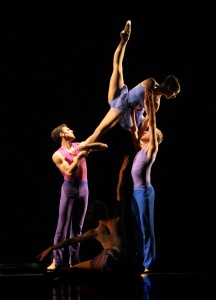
x=146, y=270
x=125, y=34
x=52, y=267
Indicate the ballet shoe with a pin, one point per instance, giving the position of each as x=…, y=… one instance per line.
x=52, y=267
x=125, y=34
x=146, y=270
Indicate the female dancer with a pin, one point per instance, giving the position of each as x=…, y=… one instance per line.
x=121, y=100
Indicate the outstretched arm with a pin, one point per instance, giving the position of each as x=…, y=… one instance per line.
x=90, y=234
x=149, y=85
x=143, y=127
x=135, y=131
x=154, y=108
x=119, y=206
x=97, y=146
x=121, y=179
x=150, y=108
x=69, y=169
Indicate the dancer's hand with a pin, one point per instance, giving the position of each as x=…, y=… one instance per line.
x=43, y=254
x=97, y=146
x=83, y=154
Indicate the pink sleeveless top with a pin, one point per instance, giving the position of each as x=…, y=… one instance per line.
x=81, y=172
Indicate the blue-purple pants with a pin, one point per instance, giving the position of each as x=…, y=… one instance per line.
x=72, y=210
x=143, y=222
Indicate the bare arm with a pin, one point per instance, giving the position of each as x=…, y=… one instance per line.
x=134, y=130
x=64, y=166
x=97, y=146
x=90, y=234
x=145, y=124
x=152, y=126
x=149, y=85
x=120, y=185
x=143, y=127
x=156, y=106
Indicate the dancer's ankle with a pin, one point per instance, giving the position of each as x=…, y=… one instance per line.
x=125, y=34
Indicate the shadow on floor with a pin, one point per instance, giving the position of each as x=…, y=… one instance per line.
x=32, y=281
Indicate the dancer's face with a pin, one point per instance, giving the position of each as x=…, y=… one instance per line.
x=170, y=95
x=67, y=133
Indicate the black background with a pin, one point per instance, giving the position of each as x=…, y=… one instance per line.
x=56, y=64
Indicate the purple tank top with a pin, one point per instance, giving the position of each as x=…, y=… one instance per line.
x=141, y=168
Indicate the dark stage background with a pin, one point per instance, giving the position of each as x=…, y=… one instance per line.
x=56, y=64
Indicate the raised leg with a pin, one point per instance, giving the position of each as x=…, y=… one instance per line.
x=117, y=78
x=115, y=86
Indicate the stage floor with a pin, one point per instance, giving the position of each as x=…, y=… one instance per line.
x=32, y=281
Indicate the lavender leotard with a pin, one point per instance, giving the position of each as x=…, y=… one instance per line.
x=72, y=208
x=126, y=101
